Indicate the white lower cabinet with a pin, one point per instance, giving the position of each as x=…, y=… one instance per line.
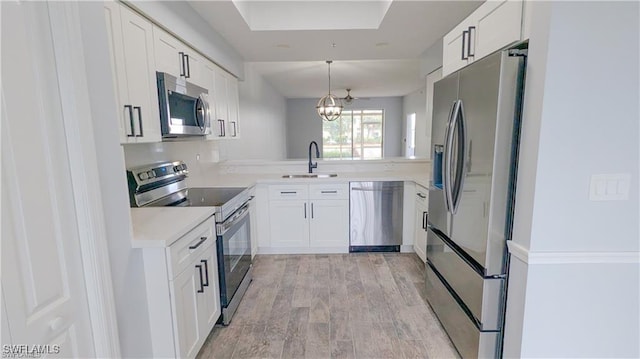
x=420, y=228
x=309, y=218
x=329, y=223
x=183, y=292
x=289, y=223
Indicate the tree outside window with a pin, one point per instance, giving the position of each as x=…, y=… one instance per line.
x=357, y=134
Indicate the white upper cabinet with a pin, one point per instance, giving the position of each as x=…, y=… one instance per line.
x=176, y=58
x=138, y=50
x=219, y=123
x=233, y=106
x=494, y=25
x=226, y=122
x=168, y=53
x=132, y=61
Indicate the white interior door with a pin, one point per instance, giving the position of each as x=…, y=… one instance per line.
x=43, y=280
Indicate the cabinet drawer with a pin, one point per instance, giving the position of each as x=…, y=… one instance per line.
x=288, y=192
x=329, y=191
x=190, y=246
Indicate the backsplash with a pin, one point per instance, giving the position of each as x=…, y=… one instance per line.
x=199, y=156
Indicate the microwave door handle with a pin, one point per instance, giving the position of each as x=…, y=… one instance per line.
x=199, y=111
x=207, y=113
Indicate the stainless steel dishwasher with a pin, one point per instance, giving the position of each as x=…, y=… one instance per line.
x=376, y=216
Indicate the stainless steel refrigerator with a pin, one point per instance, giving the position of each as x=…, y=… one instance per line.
x=475, y=135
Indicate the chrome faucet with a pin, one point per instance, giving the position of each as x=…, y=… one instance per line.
x=313, y=165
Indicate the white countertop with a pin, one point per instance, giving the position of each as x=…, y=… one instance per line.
x=161, y=226
x=250, y=179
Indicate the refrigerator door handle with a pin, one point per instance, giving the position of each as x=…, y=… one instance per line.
x=459, y=128
x=447, y=161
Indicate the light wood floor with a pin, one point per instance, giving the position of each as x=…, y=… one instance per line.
x=368, y=305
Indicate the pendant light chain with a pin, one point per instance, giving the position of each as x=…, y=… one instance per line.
x=329, y=64
x=329, y=107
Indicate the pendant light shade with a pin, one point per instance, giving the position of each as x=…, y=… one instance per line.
x=329, y=107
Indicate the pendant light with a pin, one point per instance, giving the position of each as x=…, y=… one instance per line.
x=329, y=107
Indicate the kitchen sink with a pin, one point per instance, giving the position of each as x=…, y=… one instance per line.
x=311, y=175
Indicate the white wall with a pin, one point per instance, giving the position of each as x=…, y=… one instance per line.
x=580, y=118
x=304, y=125
x=263, y=114
x=126, y=263
x=182, y=20
x=416, y=102
x=431, y=58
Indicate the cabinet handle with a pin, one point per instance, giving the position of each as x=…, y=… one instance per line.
x=288, y=192
x=469, y=54
x=206, y=272
x=130, y=108
x=137, y=108
x=235, y=130
x=201, y=290
x=311, y=210
x=305, y=210
x=325, y=192
x=202, y=239
x=183, y=68
x=424, y=220
x=464, y=36
x=419, y=194
x=188, y=69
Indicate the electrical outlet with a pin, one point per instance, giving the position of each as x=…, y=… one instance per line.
x=610, y=187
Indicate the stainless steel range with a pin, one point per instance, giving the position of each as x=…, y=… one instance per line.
x=163, y=184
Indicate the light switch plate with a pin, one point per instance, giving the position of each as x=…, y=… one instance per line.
x=610, y=187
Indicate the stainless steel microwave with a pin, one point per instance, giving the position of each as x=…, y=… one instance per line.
x=184, y=107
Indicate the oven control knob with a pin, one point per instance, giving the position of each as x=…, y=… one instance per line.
x=176, y=168
x=184, y=166
x=151, y=174
x=143, y=175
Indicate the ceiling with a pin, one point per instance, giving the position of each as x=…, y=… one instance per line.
x=373, y=62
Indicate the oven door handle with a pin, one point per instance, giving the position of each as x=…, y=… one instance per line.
x=223, y=227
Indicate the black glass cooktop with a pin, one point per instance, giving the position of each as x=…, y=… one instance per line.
x=210, y=197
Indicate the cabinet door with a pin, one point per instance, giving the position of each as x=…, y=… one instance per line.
x=454, y=56
x=499, y=24
x=289, y=223
x=118, y=70
x=184, y=290
x=195, y=71
x=167, y=51
x=329, y=223
x=221, y=113
x=233, y=107
x=420, y=234
x=209, y=301
x=141, y=78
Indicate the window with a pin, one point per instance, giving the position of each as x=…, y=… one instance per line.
x=357, y=134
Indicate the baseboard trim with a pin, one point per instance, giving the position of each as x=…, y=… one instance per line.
x=526, y=256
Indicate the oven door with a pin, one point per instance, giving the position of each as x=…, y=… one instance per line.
x=234, y=248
